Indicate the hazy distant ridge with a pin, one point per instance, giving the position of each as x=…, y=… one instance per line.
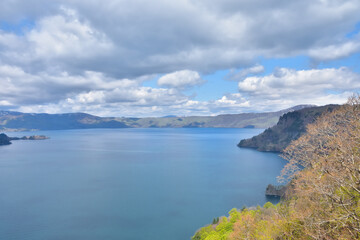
x=42, y=121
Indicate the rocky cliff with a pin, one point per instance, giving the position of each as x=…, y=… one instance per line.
x=275, y=191
x=289, y=127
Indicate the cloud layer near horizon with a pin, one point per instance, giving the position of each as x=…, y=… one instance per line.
x=96, y=57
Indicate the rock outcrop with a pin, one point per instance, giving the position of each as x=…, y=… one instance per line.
x=289, y=127
x=275, y=191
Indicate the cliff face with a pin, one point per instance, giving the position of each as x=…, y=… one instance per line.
x=289, y=127
x=4, y=140
x=277, y=191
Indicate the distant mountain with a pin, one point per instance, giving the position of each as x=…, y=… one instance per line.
x=32, y=121
x=289, y=127
x=242, y=120
x=43, y=121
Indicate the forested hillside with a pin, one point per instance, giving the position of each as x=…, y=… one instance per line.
x=324, y=195
x=289, y=127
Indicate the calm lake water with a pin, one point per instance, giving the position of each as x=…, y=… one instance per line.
x=153, y=184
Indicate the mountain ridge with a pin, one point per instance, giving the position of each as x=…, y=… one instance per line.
x=11, y=120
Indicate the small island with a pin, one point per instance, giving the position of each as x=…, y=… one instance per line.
x=5, y=140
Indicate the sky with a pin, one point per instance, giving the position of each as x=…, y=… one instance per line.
x=140, y=58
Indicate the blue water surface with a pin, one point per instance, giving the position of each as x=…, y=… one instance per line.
x=153, y=184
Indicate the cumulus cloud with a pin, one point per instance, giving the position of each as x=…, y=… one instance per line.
x=145, y=104
x=65, y=35
x=94, y=57
x=290, y=81
x=91, y=92
x=61, y=42
x=286, y=87
x=21, y=87
x=181, y=79
x=140, y=38
x=335, y=51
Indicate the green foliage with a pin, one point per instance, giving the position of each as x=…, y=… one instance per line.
x=269, y=205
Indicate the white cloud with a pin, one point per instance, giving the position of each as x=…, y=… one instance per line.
x=66, y=35
x=288, y=87
x=135, y=38
x=19, y=87
x=62, y=41
x=132, y=100
x=5, y=103
x=139, y=101
x=290, y=81
x=336, y=51
x=181, y=79
x=94, y=57
x=98, y=94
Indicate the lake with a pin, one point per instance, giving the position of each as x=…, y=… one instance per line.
x=131, y=184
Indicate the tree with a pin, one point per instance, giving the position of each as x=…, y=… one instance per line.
x=327, y=189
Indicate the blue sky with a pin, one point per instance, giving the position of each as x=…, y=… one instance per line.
x=19, y=27
x=136, y=58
